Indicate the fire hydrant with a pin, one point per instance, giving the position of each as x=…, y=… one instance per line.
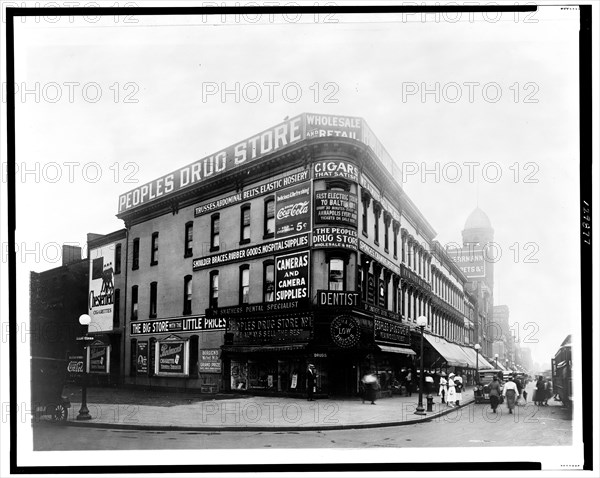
x=429, y=403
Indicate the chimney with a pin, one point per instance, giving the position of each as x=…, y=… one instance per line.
x=70, y=254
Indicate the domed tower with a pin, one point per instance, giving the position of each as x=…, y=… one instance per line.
x=478, y=229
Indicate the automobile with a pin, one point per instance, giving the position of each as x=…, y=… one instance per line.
x=482, y=389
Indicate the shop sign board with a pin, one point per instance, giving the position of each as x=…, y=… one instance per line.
x=337, y=298
x=101, y=287
x=338, y=237
x=179, y=324
x=252, y=192
x=250, y=252
x=470, y=260
x=322, y=126
x=390, y=332
x=373, y=309
x=292, y=273
x=98, y=356
x=293, y=210
x=287, y=328
x=172, y=354
x=209, y=361
x=345, y=331
x=142, y=357
x=254, y=309
x=75, y=367
x=336, y=207
x=334, y=168
x=367, y=249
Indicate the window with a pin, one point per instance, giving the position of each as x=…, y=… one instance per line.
x=337, y=185
x=382, y=293
x=395, y=242
x=376, y=214
x=118, y=259
x=269, y=217
x=244, y=284
x=336, y=274
x=386, y=234
x=365, y=217
x=116, y=308
x=189, y=237
x=214, y=289
x=269, y=282
x=214, y=232
x=153, y=291
x=187, y=295
x=135, y=263
x=134, y=302
x=154, y=255
x=245, y=224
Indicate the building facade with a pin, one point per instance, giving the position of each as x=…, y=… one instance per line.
x=294, y=246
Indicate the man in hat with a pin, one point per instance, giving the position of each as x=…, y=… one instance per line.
x=311, y=376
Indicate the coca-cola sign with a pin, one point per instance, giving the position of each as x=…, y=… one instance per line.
x=75, y=367
x=292, y=210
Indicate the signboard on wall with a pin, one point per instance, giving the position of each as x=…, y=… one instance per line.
x=209, y=361
x=98, y=356
x=470, y=260
x=292, y=273
x=292, y=210
x=336, y=207
x=75, y=367
x=141, y=359
x=287, y=328
x=172, y=356
x=391, y=332
x=322, y=126
x=101, y=287
x=179, y=324
x=338, y=237
x=334, y=168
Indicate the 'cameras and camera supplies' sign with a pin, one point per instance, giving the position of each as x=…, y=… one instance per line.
x=292, y=272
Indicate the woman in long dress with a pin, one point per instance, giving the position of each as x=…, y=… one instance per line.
x=511, y=392
x=443, y=389
x=451, y=397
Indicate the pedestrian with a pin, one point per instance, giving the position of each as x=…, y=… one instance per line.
x=548, y=391
x=510, y=391
x=429, y=385
x=519, y=388
x=311, y=376
x=451, y=396
x=443, y=388
x=458, y=386
x=408, y=380
x=538, y=394
x=495, y=392
x=370, y=387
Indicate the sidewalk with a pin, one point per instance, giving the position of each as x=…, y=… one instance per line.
x=256, y=413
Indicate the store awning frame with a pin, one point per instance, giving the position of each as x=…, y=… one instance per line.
x=452, y=353
x=395, y=349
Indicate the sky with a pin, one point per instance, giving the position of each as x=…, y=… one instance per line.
x=488, y=108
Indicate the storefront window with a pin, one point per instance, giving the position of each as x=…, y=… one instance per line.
x=336, y=274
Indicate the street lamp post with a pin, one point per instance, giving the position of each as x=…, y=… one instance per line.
x=477, y=347
x=496, y=358
x=84, y=413
x=421, y=323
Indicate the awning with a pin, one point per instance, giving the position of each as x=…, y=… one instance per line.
x=452, y=353
x=472, y=356
x=263, y=348
x=396, y=350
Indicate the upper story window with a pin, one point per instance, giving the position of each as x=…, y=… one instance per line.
x=118, y=259
x=269, y=217
x=214, y=232
x=386, y=233
x=269, y=282
x=187, y=295
x=338, y=185
x=395, y=229
x=154, y=256
x=365, y=215
x=134, y=302
x=117, y=309
x=244, y=284
x=189, y=239
x=383, y=293
x=135, y=261
x=376, y=214
x=245, y=224
x=153, y=298
x=213, y=293
x=336, y=274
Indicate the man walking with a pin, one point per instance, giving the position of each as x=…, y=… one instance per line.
x=495, y=392
x=311, y=375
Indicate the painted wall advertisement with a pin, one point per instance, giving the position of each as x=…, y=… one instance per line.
x=98, y=358
x=344, y=237
x=142, y=357
x=336, y=207
x=172, y=354
x=101, y=287
x=292, y=273
x=292, y=210
x=210, y=361
x=391, y=332
x=470, y=260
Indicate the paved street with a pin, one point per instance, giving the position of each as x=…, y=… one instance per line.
x=473, y=425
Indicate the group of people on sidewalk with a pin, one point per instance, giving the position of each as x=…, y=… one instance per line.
x=543, y=391
x=451, y=390
x=512, y=391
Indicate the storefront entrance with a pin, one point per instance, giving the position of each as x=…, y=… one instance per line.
x=343, y=376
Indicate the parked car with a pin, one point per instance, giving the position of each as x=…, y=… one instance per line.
x=482, y=390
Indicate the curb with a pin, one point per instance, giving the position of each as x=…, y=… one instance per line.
x=176, y=428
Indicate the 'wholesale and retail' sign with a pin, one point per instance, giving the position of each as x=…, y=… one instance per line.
x=263, y=144
x=179, y=324
x=251, y=193
x=251, y=251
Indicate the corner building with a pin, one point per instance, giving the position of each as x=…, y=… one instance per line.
x=294, y=246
